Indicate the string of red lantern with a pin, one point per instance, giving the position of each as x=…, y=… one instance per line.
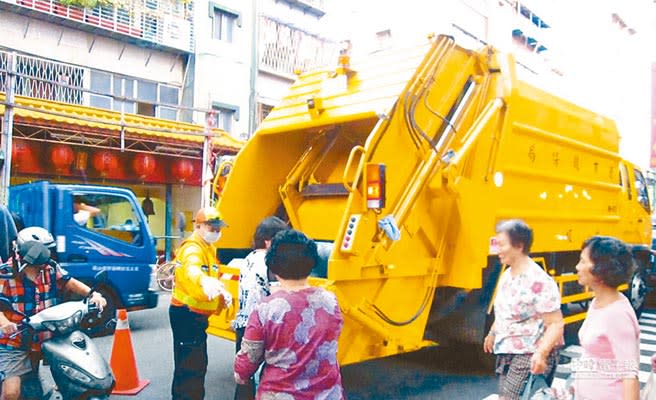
x=21, y=153
x=104, y=162
x=144, y=165
x=62, y=157
x=182, y=169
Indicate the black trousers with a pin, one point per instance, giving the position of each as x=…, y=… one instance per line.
x=189, y=353
x=247, y=391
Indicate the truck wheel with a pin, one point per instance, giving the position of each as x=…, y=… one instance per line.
x=103, y=324
x=637, y=292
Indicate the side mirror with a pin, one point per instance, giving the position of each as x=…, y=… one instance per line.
x=5, y=304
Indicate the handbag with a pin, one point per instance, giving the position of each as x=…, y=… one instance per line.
x=649, y=391
x=537, y=389
x=534, y=389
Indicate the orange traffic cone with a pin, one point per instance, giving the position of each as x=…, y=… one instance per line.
x=122, y=360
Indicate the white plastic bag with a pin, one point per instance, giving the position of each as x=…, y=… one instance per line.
x=649, y=391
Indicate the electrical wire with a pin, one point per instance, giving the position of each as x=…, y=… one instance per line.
x=390, y=321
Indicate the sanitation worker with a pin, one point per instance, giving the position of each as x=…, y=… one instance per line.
x=197, y=294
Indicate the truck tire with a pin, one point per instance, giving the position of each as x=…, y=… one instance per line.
x=637, y=292
x=104, y=324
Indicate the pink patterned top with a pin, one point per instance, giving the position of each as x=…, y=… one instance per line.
x=610, y=337
x=518, y=307
x=295, y=334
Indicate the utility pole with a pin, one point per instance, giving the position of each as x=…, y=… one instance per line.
x=207, y=174
x=252, y=95
x=8, y=127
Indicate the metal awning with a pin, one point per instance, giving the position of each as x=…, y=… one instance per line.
x=81, y=122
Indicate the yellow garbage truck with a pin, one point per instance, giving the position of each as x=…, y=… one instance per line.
x=401, y=165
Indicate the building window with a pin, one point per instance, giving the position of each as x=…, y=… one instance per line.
x=47, y=80
x=225, y=114
x=99, y=101
x=223, y=22
x=168, y=95
x=101, y=85
x=224, y=119
x=262, y=111
x=285, y=48
x=641, y=188
x=130, y=95
x=384, y=39
x=124, y=91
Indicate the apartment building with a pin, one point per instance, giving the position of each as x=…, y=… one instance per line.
x=247, y=53
x=101, y=96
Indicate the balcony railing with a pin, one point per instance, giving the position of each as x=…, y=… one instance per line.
x=285, y=49
x=51, y=80
x=314, y=7
x=163, y=22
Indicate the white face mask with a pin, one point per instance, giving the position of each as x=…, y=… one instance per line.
x=211, y=237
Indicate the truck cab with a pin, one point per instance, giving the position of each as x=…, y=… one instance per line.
x=95, y=228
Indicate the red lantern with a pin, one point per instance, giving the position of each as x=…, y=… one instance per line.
x=104, y=162
x=183, y=169
x=21, y=154
x=62, y=157
x=144, y=165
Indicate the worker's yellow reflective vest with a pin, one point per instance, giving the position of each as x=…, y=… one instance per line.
x=196, y=258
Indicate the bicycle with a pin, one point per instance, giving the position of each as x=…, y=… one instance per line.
x=164, y=274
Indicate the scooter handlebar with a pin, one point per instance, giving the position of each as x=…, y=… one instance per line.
x=92, y=308
x=22, y=328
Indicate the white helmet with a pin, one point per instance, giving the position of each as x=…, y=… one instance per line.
x=36, y=234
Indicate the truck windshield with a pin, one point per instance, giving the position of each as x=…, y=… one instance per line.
x=109, y=215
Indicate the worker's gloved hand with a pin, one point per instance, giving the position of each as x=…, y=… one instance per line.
x=211, y=287
x=227, y=298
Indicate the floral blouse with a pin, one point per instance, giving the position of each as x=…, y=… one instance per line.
x=295, y=334
x=518, y=307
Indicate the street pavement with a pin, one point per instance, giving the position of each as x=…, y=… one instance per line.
x=432, y=373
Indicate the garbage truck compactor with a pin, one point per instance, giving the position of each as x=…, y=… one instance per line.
x=440, y=143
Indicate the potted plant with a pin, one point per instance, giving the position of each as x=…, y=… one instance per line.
x=85, y=3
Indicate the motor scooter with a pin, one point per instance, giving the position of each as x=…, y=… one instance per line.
x=77, y=366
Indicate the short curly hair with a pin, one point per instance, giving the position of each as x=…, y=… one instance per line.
x=292, y=255
x=613, y=260
x=518, y=232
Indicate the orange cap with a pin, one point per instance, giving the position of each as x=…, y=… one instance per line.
x=209, y=215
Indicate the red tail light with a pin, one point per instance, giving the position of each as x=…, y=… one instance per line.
x=375, y=186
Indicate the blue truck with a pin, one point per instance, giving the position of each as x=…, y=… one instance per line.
x=95, y=228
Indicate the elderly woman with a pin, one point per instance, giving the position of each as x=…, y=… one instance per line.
x=528, y=324
x=608, y=367
x=294, y=331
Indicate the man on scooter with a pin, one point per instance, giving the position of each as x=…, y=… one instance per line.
x=33, y=287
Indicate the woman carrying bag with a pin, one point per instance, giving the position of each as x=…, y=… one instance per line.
x=528, y=324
